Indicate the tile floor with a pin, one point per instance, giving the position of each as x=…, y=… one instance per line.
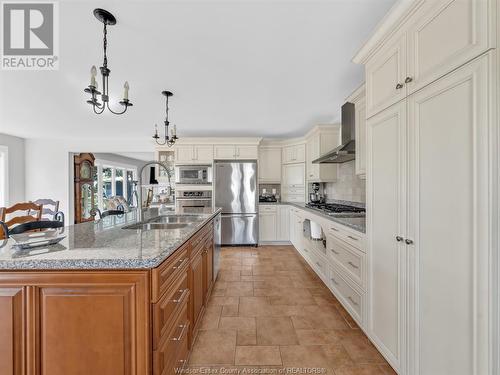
x=269, y=311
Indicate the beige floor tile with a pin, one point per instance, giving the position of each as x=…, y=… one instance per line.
x=359, y=370
x=361, y=350
x=317, y=336
x=387, y=370
x=257, y=355
x=321, y=320
x=237, y=323
x=275, y=331
x=224, y=341
x=211, y=318
x=246, y=337
x=304, y=356
x=255, y=306
x=240, y=288
x=222, y=300
x=229, y=310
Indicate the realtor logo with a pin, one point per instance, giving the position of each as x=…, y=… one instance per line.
x=30, y=36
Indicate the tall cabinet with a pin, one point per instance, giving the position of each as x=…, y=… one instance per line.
x=432, y=188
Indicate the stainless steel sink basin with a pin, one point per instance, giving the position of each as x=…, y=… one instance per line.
x=152, y=226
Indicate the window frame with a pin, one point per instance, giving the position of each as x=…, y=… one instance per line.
x=100, y=164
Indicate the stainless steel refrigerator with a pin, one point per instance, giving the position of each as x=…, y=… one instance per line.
x=236, y=192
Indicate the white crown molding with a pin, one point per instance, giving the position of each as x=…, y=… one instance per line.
x=271, y=142
x=386, y=27
x=357, y=94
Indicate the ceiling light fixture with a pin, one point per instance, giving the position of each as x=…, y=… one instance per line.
x=107, y=19
x=167, y=140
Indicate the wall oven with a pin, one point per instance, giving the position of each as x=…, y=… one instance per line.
x=188, y=201
x=193, y=174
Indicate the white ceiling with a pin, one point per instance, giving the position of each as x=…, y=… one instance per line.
x=237, y=68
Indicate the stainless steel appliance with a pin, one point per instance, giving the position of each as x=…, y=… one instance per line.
x=236, y=193
x=347, y=150
x=337, y=209
x=189, y=201
x=193, y=174
x=217, y=245
x=314, y=195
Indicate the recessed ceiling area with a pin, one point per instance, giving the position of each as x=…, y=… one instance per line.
x=236, y=68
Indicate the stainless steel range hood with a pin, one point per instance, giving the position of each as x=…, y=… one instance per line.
x=347, y=150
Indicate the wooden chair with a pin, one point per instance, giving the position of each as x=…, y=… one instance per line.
x=32, y=212
x=50, y=209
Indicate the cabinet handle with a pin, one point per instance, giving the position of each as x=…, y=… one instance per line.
x=181, y=335
x=352, y=238
x=179, y=264
x=399, y=86
x=335, y=252
x=352, y=264
x=318, y=264
x=334, y=281
x=334, y=229
x=408, y=242
x=306, y=250
x=181, y=297
x=352, y=300
x=408, y=79
x=399, y=238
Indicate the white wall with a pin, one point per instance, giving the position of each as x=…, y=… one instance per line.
x=50, y=169
x=16, y=166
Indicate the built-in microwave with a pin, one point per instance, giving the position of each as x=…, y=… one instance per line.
x=193, y=174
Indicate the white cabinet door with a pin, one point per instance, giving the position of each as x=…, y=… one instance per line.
x=204, y=153
x=224, y=152
x=184, y=154
x=385, y=74
x=283, y=224
x=312, y=151
x=270, y=165
x=449, y=124
x=386, y=210
x=294, y=175
x=300, y=153
x=267, y=225
x=360, y=131
x=246, y=152
x=294, y=154
x=445, y=35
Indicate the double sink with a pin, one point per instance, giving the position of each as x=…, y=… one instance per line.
x=166, y=222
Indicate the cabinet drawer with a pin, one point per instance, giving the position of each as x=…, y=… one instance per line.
x=349, y=258
x=267, y=208
x=319, y=265
x=166, y=310
x=163, y=276
x=353, y=299
x=166, y=357
x=354, y=239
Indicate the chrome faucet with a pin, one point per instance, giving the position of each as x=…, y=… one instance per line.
x=139, y=185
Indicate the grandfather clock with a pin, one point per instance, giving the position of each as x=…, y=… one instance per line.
x=84, y=187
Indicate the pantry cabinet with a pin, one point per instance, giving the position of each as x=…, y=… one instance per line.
x=194, y=154
x=293, y=186
x=318, y=143
x=270, y=165
x=440, y=36
x=294, y=154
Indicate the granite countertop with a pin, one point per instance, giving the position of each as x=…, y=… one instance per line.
x=357, y=223
x=104, y=244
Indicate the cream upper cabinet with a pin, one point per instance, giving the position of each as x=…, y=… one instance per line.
x=194, y=154
x=294, y=154
x=317, y=144
x=386, y=212
x=270, y=164
x=449, y=216
x=235, y=152
x=293, y=175
x=444, y=35
x=385, y=74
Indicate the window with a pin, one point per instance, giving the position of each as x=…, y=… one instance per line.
x=112, y=180
x=4, y=176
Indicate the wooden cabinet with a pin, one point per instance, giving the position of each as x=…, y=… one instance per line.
x=194, y=154
x=12, y=329
x=294, y=154
x=270, y=165
x=268, y=223
x=197, y=290
x=318, y=143
x=239, y=152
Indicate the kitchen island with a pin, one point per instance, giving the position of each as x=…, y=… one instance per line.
x=114, y=297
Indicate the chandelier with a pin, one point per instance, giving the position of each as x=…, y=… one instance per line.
x=167, y=140
x=107, y=19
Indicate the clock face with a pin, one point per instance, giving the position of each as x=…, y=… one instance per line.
x=85, y=170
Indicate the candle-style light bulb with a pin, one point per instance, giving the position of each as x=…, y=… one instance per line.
x=93, y=73
x=125, y=90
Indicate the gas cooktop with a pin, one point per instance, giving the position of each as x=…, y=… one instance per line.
x=336, y=209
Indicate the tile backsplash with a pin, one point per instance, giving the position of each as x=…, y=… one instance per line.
x=348, y=186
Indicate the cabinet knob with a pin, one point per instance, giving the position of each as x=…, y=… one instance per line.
x=408, y=79
x=408, y=242
x=399, y=238
x=399, y=86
